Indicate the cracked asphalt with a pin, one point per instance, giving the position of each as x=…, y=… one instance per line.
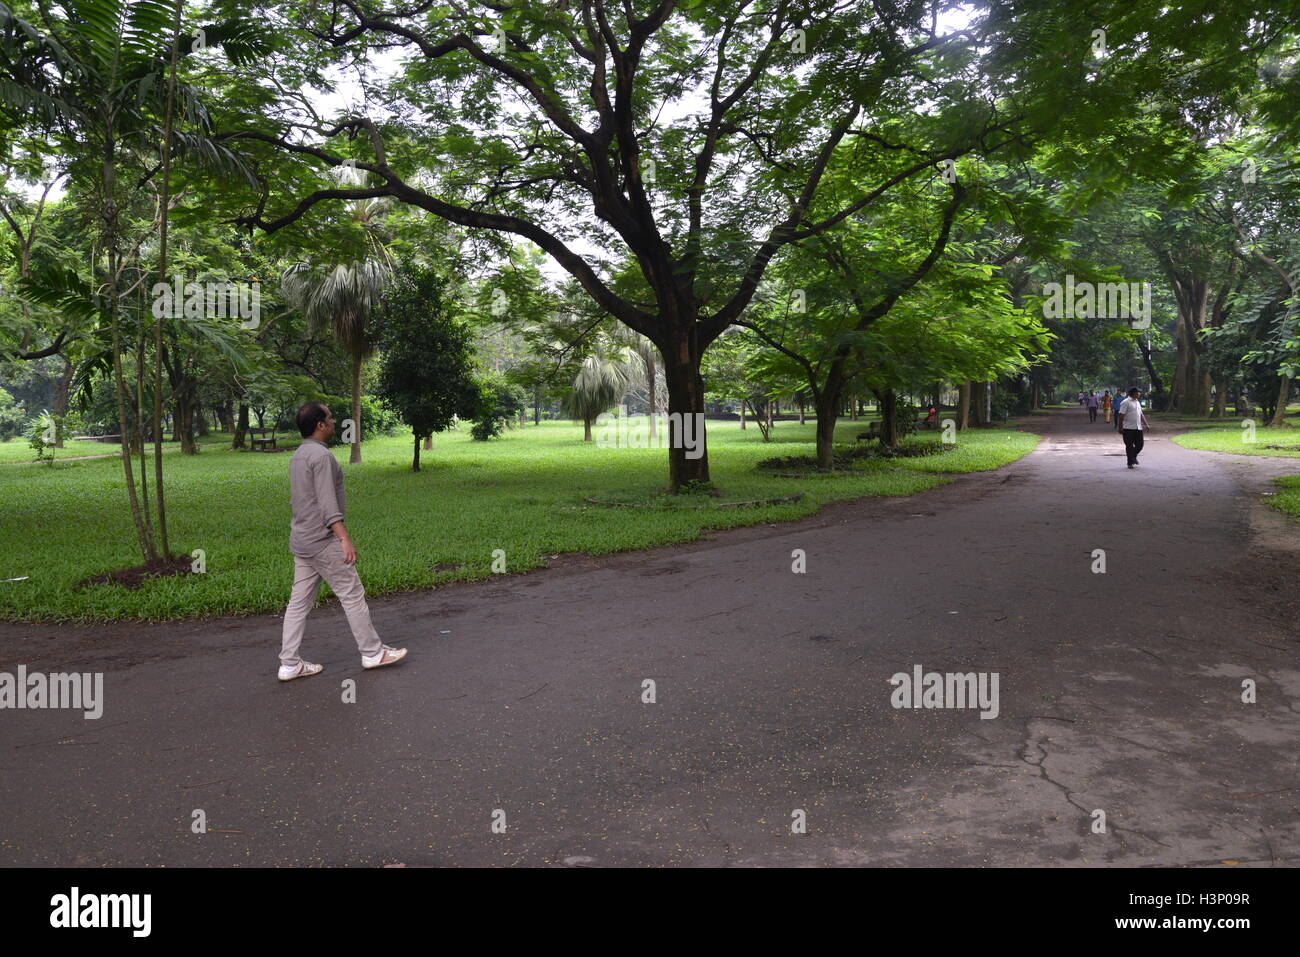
x=1118, y=692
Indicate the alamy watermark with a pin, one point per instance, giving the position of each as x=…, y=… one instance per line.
x=932, y=689
x=83, y=692
x=212, y=299
x=1099, y=300
x=620, y=431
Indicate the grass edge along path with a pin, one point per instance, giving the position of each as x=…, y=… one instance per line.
x=521, y=495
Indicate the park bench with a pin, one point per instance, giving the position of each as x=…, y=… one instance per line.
x=262, y=440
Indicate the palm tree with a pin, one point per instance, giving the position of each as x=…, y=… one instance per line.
x=95, y=77
x=344, y=295
x=600, y=382
x=648, y=353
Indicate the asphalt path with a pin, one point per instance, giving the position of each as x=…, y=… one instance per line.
x=523, y=700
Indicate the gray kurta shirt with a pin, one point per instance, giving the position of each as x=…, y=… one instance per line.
x=316, y=493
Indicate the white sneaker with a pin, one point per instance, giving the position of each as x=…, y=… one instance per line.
x=301, y=670
x=386, y=656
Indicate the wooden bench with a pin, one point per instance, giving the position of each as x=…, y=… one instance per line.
x=873, y=432
x=264, y=443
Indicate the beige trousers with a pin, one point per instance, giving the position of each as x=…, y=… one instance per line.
x=328, y=564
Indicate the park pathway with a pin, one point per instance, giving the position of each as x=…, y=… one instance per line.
x=523, y=698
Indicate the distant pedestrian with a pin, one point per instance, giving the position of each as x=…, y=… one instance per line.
x=1107, y=404
x=1132, y=420
x=1081, y=397
x=322, y=548
x=1093, y=402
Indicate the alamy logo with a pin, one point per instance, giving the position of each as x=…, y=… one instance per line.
x=947, y=690
x=621, y=431
x=103, y=910
x=83, y=692
x=1104, y=300
x=219, y=299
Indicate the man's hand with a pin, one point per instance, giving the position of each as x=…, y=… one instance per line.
x=345, y=540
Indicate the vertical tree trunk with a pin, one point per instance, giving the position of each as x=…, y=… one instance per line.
x=428, y=442
x=802, y=405
x=537, y=405
x=1144, y=347
x=1283, y=395
x=1220, y=397
x=415, y=462
x=115, y=319
x=61, y=400
x=650, y=373
x=200, y=420
x=241, y=427
x=888, y=418
x=686, y=400
x=742, y=414
x=355, y=456
x=184, y=417
x=853, y=408
x=824, y=408
x=586, y=430
x=963, y=405
x=977, y=403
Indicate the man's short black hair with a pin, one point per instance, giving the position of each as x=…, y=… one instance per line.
x=1134, y=391
x=311, y=414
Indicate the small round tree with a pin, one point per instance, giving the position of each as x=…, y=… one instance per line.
x=427, y=372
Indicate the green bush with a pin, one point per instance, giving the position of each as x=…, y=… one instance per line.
x=376, y=419
x=500, y=403
x=12, y=420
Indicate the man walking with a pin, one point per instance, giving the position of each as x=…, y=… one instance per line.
x=1131, y=421
x=1093, y=402
x=322, y=548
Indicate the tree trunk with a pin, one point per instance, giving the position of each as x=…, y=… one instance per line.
x=742, y=415
x=888, y=418
x=115, y=319
x=1220, y=397
x=200, y=420
x=1144, y=347
x=977, y=403
x=586, y=430
x=415, y=462
x=650, y=373
x=184, y=417
x=355, y=456
x=428, y=442
x=537, y=405
x=853, y=408
x=241, y=427
x=824, y=407
x=1283, y=395
x=802, y=405
x=963, y=405
x=685, y=405
x=61, y=401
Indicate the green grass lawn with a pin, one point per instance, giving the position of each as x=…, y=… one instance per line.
x=524, y=493
x=1287, y=498
x=1231, y=437
x=18, y=449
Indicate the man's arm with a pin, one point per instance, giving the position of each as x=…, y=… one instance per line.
x=349, y=550
x=323, y=484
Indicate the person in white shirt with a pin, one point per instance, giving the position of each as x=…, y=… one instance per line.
x=1132, y=421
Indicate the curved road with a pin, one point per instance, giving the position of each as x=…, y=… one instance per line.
x=1118, y=692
